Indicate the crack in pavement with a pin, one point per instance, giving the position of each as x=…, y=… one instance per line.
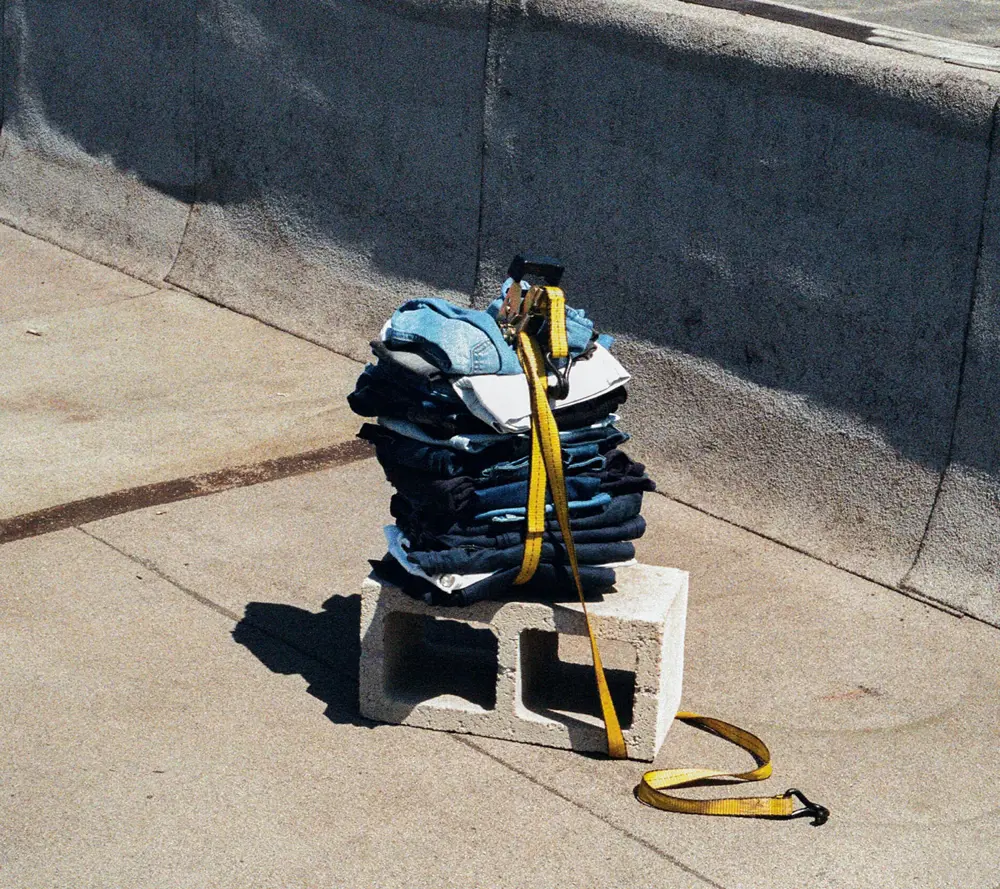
x=153, y=568
x=468, y=742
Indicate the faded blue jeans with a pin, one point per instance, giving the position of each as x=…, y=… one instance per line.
x=460, y=341
x=579, y=328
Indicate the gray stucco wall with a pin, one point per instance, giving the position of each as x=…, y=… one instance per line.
x=789, y=233
x=339, y=160
x=959, y=562
x=99, y=127
x=784, y=231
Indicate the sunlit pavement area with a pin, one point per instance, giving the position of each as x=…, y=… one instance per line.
x=178, y=670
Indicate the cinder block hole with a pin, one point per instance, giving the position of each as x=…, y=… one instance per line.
x=432, y=657
x=557, y=677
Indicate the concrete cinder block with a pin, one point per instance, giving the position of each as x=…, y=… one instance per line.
x=521, y=671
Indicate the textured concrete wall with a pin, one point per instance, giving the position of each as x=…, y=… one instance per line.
x=339, y=159
x=98, y=127
x=782, y=228
x=960, y=560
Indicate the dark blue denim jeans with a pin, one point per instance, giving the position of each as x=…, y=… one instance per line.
x=551, y=583
x=423, y=535
x=507, y=460
x=478, y=561
x=630, y=529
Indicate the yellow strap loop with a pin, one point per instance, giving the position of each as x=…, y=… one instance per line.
x=653, y=784
x=547, y=471
x=556, y=302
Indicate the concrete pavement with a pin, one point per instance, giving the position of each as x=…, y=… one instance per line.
x=143, y=747
x=180, y=695
x=179, y=701
x=110, y=384
x=976, y=21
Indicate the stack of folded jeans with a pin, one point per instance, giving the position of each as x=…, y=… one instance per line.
x=452, y=433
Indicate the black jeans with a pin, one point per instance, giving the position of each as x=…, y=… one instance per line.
x=630, y=529
x=423, y=533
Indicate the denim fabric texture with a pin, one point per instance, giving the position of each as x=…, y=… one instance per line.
x=403, y=361
x=475, y=443
x=374, y=394
x=504, y=404
x=630, y=529
x=422, y=400
x=576, y=507
x=615, y=514
x=459, y=341
x=474, y=560
x=413, y=517
x=550, y=583
x=579, y=328
x=508, y=461
x=462, y=485
x=464, y=495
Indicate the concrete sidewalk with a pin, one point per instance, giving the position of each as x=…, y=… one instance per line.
x=111, y=386
x=975, y=21
x=178, y=683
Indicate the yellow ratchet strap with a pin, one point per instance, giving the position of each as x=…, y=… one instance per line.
x=547, y=472
x=545, y=443
x=555, y=300
x=535, y=530
x=651, y=789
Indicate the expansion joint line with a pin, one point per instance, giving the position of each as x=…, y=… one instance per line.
x=967, y=336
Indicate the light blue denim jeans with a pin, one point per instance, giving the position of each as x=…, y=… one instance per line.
x=579, y=328
x=517, y=513
x=460, y=341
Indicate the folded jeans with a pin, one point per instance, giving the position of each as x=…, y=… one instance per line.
x=630, y=529
x=472, y=560
x=550, y=583
x=458, y=340
x=462, y=495
x=618, y=511
x=503, y=402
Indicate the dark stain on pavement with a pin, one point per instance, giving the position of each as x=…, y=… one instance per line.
x=103, y=506
x=859, y=691
x=70, y=411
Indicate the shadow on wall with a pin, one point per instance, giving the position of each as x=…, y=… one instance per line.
x=817, y=240
x=809, y=230
x=109, y=79
x=336, y=121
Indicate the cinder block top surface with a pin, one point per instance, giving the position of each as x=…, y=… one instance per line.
x=641, y=593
